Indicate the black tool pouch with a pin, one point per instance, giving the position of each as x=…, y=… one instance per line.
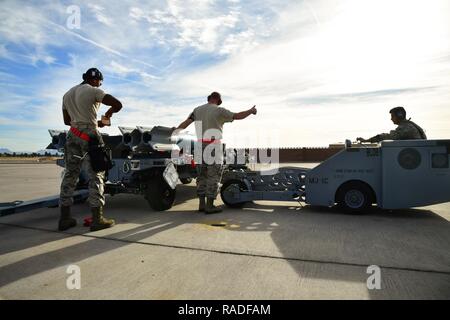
x=100, y=156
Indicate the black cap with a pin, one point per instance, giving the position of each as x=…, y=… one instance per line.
x=400, y=112
x=92, y=74
x=215, y=95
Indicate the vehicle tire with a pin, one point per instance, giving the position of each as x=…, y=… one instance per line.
x=159, y=195
x=354, y=197
x=233, y=182
x=186, y=180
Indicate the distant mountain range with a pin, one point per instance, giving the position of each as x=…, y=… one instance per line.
x=4, y=150
x=40, y=152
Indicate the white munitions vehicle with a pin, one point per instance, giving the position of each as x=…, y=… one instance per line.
x=391, y=174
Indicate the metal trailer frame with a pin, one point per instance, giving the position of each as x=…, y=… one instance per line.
x=8, y=208
x=142, y=157
x=244, y=185
x=391, y=174
x=142, y=164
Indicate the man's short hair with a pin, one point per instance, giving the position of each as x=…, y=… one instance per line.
x=399, y=112
x=215, y=95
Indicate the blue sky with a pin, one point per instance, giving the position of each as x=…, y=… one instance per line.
x=318, y=71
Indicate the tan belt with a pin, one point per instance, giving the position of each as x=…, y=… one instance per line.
x=81, y=126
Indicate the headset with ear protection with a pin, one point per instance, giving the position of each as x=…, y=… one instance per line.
x=92, y=73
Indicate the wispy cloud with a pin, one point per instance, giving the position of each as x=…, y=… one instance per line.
x=306, y=64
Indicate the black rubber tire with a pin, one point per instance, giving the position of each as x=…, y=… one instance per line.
x=186, y=180
x=159, y=195
x=242, y=187
x=360, y=193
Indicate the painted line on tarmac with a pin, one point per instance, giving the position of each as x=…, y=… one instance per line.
x=228, y=252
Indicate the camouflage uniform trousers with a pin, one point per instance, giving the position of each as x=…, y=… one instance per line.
x=208, y=180
x=74, y=149
x=209, y=170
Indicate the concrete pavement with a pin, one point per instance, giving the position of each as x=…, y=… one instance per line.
x=268, y=250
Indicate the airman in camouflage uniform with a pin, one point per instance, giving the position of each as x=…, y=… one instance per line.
x=76, y=157
x=80, y=107
x=406, y=129
x=209, y=120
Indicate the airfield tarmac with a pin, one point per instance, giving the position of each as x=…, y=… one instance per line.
x=267, y=250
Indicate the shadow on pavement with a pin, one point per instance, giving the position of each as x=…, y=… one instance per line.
x=407, y=240
x=403, y=239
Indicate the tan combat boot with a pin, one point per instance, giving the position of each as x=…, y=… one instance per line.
x=65, y=220
x=210, y=208
x=98, y=221
x=202, y=204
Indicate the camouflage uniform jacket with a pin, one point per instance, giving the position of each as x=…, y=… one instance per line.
x=406, y=130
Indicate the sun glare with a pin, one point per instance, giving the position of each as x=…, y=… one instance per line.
x=374, y=44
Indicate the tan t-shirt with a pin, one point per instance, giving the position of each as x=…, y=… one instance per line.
x=82, y=103
x=209, y=120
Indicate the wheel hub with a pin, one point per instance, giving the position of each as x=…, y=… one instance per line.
x=354, y=199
